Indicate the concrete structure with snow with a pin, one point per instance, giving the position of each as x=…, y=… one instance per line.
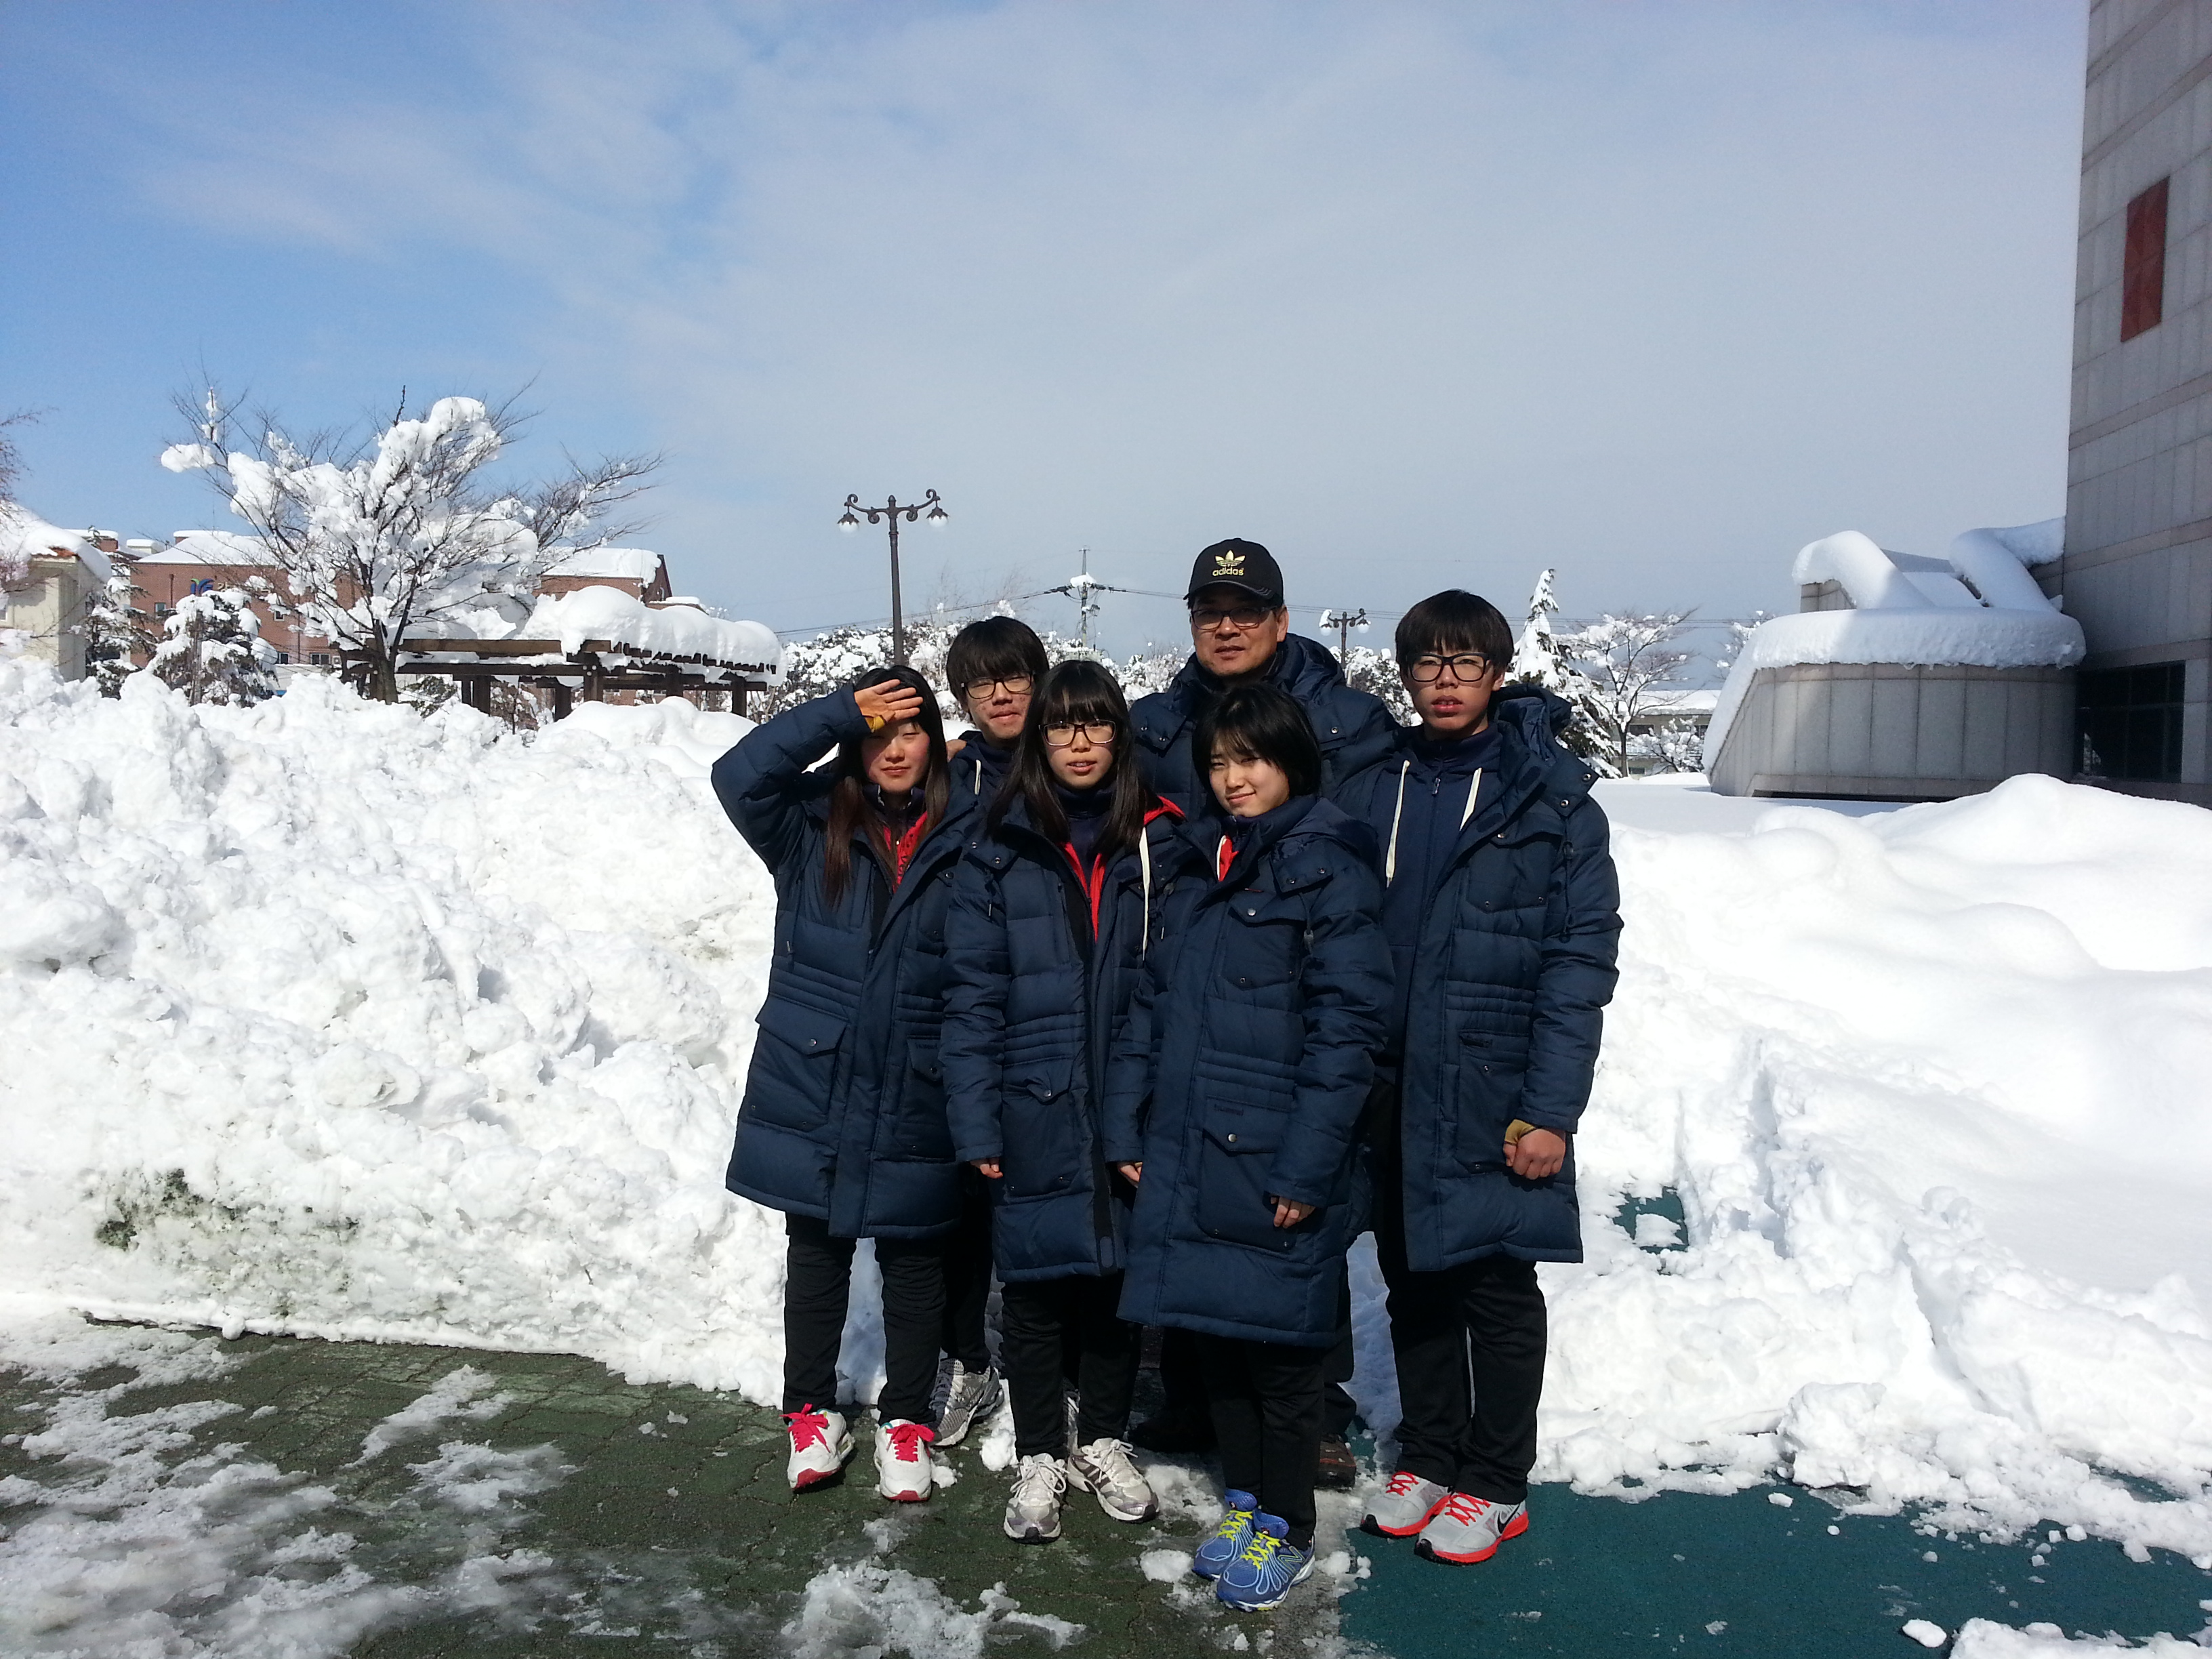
x=2137, y=570
x=47, y=576
x=1903, y=677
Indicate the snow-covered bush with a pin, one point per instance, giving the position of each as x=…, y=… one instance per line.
x=213, y=650
x=114, y=633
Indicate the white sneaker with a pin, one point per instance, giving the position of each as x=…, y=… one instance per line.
x=902, y=1465
x=819, y=1446
x=1104, y=1469
x=1033, y=1512
x=1403, y=1507
x=969, y=1396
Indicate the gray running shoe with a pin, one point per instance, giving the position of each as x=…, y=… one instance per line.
x=1104, y=1469
x=1404, y=1507
x=969, y=1397
x=1033, y=1512
x=1468, y=1529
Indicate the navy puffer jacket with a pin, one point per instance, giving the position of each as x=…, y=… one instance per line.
x=1506, y=1005
x=1354, y=730
x=843, y=1117
x=1035, y=1004
x=1242, y=1074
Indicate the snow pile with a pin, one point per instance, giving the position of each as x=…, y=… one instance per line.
x=867, y=1611
x=324, y=1017
x=1980, y=1639
x=1910, y=610
x=1929, y=1087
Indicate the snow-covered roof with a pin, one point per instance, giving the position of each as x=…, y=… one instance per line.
x=218, y=547
x=637, y=563
x=1978, y=608
x=25, y=536
x=609, y=613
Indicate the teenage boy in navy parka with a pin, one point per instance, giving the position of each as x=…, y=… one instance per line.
x=1502, y=912
x=1047, y=937
x=1234, y=1101
x=843, y=1126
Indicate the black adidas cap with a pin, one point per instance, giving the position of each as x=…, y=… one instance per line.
x=1238, y=563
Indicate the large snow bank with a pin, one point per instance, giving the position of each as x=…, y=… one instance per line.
x=324, y=1017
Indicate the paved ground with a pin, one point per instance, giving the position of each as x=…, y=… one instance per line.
x=534, y=1505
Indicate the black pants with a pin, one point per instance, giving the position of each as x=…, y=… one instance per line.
x=1265, y=1398
x=817, y=1285
x=968, y=1276
x=1470, y=1348
x=1182, y=1387
x=1041, y=1317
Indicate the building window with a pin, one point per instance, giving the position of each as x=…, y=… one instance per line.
x=283, y=656
x=319, y=658
x=2131, y=722
x=2143, y=273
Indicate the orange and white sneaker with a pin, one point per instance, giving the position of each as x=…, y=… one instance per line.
x=1469, y=1528
x=1404, y=1507
x=819, y=1446
x=902, y=1465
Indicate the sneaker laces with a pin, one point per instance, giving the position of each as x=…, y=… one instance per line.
x=907, y=1440
x=1262, y=1546
x=1403, y=1482
x=1232, y=1522
x=1467, y=1509
x=809, y=1428
x=1040, y=1469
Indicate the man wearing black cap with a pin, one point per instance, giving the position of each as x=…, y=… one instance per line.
x=1239, y=630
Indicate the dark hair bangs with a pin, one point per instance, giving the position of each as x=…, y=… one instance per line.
x=1454, y=621
x=995, y=648
x=1077, y=692
x=1259, y=722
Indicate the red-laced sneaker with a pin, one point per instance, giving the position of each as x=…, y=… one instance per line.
x=1403, y=1508
x=902, y=1465
x=819, y=1447
x=1470, y=1528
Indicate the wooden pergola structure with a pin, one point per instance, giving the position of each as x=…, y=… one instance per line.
x=596, y=668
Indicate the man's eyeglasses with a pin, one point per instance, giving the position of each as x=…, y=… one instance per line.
x=1060, y=735
x=1206, y=617
x=1467, y=666
x=1014, y=686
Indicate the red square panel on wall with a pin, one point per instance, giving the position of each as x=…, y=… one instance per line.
x=2142, y=274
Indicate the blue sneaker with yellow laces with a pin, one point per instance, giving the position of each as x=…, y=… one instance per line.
x=1226, y=1541
x=1265, y=1571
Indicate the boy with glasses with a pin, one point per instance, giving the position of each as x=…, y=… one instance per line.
x=992, y=669
x=1501, y=911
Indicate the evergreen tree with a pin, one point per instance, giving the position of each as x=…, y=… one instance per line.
x=215, y=652
x=1538, y=659
x=115, y=634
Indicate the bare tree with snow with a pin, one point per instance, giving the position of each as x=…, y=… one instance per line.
x=1630, y=661
x=379, y=536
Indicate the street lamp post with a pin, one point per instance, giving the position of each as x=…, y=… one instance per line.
x=892, y=511
x=1344, y=622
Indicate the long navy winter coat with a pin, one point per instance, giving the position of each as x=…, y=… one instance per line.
x=1036, y=1002
x=1354, y=730
x=843, y=1117
x=1509, y=982
x=1243, y=1071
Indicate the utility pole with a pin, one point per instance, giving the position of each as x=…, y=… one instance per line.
x=892, y=510
x=1344, y=622
x=1084, y=589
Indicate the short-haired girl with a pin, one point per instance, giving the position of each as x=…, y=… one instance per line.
x=1047, y=937
x=1234, y=1102
x=843, y=1127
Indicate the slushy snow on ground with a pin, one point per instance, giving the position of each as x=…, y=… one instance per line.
x=330, y=1018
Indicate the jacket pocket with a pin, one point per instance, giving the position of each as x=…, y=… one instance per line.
x=1234, y=1158
x=919, y=1128
x=794, y=1065
x=1045, y=1135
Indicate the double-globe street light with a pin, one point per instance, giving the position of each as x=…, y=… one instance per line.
x=892, y=511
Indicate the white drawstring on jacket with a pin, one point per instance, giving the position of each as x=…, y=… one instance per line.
x=1398, y=814
x=1144, y=863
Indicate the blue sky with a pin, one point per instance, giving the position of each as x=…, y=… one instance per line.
x=1417, y=294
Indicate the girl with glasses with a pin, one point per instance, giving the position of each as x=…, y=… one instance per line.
x=1048, y=934
x=843, y=1127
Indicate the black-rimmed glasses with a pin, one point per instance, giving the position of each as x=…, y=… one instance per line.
x=1014, y=686
x=1208, y=617
x=1059, y=734
x=1466, y=666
